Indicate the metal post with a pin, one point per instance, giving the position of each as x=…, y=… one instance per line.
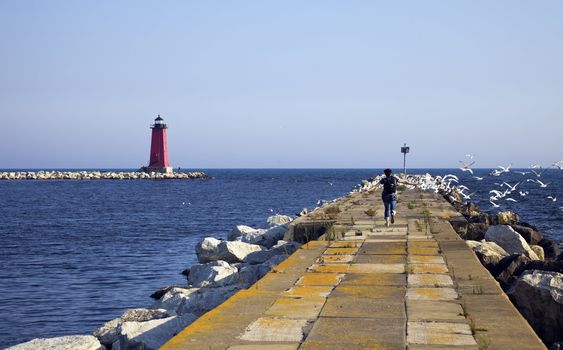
x=404, y=151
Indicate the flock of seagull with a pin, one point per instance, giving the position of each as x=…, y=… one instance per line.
x=505, y=191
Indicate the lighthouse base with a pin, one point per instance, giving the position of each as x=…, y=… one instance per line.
x=150, y=169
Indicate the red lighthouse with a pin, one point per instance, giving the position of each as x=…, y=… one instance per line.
x=159, y=148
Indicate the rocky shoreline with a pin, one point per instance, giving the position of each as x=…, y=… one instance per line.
x=98, y=175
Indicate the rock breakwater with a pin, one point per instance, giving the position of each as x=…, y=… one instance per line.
x=99, y=175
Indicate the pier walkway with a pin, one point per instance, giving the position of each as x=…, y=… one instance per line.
x=415, y=285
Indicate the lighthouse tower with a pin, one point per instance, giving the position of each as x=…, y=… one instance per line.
x=159, y=148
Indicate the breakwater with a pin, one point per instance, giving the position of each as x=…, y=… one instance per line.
x=99, y=175
x=350, y=215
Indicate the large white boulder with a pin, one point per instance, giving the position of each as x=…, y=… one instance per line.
x=107, y=334
x=539, y=297
x=212, y=274
x=263, y=237
x=245, y=233
x=278, y=219
x=194, y=300
x=235, y=251
x=509, y=240
x=71, y=342
x=489, y=253
x=206, y=249
x=150, y=335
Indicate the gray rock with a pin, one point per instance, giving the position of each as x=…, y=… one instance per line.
x=489, y=253
x=550, y=248
x=206, y=249
x=509, y=240
x=71, y=342
x=266, y=238
x=235, y=251
x=278, y=219
x=281, y=247
x=531, y=235
x=475, y=231
x=245, y=234
x=248, y=275
x=504, y=218
x=174, y=298
x=150, y=335
x=506, y=271
x=212, y=274
x=195, y=300
x=539, y=297
x=539, y=251
x=107, y=334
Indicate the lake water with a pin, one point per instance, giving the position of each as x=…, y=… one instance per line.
x=75, y=254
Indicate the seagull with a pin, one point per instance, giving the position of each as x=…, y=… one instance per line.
x=470, y=156
x=542, y=185
x=511, y=200
x=524, y=193
x=538, y=174
x=553, y=199
x=504, y=169
x=512, y=188
x=558, y=164
x=330, y=183
x=467, y=169
x=467, y=196
x=522, y=172
x=535, y=166
x=271, y=210
x=477, y=178
x=494, y=204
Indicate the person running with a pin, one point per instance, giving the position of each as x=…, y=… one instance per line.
x=389, y=194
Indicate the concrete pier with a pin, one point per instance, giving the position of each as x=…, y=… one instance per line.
x=415, y=285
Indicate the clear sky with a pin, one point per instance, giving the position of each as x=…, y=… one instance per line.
x=281, y=83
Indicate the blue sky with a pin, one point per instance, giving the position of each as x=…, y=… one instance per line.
x=281, y=83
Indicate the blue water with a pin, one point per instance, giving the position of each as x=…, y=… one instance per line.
x=75, y=254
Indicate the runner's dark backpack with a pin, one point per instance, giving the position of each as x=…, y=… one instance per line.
x=389, y=185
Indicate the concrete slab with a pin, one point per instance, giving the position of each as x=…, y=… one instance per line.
x=297, y=308
x=319, y=279
x=356, y=333
x=376, y=268
x=430, y=280
x=383, y=248
x=262, y=346
x=330, y=268
x=426, y=259
x=427, y=268
x=368, y=308
x=340, y=251
x=335, y=259
x=276, y=329
x=431, y=294
x=390, y=293
x=424, y=244
x=308, y=291
x=380, y=259
x=439, y=333
x=426, y=310
x=417, y=250
x=374, y=279
x=347, y=244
